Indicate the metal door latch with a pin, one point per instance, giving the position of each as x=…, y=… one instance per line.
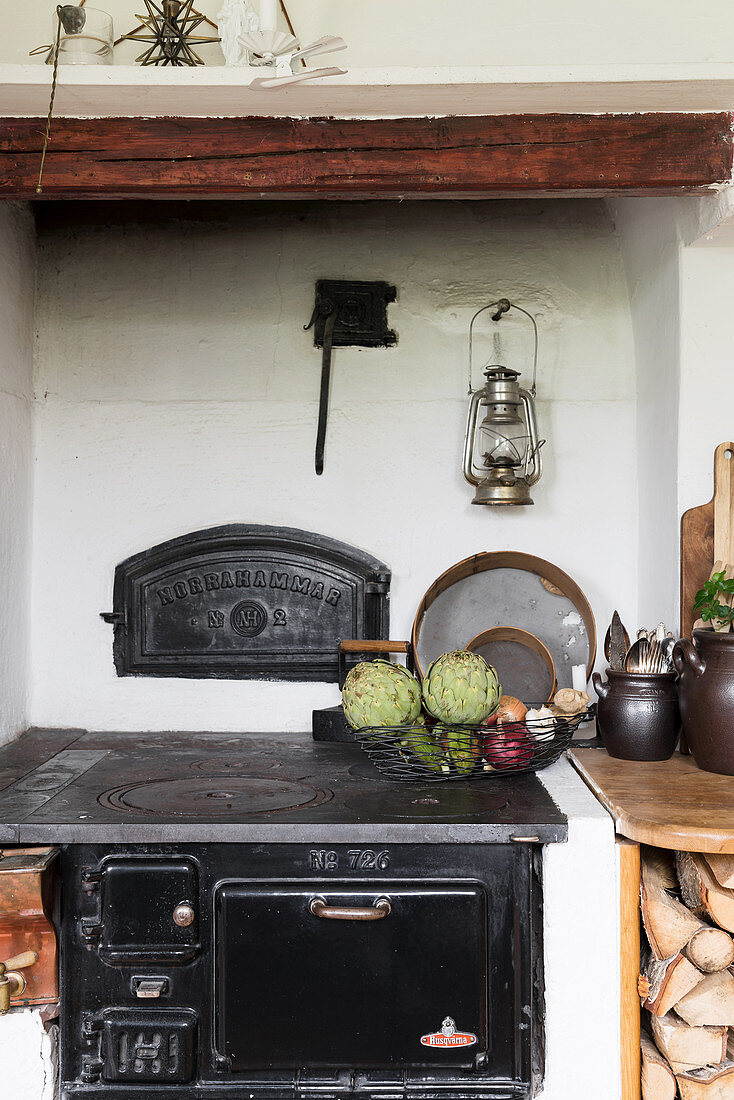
x=147, y=989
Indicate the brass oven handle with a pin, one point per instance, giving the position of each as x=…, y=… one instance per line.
x=381, y=908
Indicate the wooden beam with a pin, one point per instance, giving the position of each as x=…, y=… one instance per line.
x=629, y=917
x=465, y=157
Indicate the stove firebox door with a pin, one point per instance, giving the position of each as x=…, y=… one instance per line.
x=305, y=979
x=148, y=911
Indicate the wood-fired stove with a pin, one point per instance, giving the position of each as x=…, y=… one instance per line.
x=265, y=916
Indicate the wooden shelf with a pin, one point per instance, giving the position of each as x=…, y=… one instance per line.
x=221, y=91
x=670, y=803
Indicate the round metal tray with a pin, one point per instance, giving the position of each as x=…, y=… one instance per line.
x=506, y=588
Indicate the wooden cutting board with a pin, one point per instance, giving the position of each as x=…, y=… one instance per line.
x=706, y=536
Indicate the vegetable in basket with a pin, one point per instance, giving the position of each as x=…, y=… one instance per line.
x=425, y=749
x=460, y=687
x=461, y=749
x=379, y=693
x=508, y=746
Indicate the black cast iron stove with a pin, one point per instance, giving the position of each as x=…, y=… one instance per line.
x=263, y=916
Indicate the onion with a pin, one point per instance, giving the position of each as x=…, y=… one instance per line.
x=510, y=709
x=508, y=747
x=542, y=723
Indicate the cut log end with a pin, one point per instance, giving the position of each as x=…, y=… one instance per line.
x=709, y=1083
x=702, y=893
x=710, y=950
x=722, y=868
x=657, y=1080
x=668, y=923
x=686, y=1047
x=710, y=1003
x=668, y=981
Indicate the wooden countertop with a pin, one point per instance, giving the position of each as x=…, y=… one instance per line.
x=668, y=803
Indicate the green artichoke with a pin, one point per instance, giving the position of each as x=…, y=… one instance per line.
x=379, y=693
x=425, y=749
x=461, y=687
x=460, y=748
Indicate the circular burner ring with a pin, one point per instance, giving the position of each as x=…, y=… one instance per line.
x=232, y=765
x=213, y=796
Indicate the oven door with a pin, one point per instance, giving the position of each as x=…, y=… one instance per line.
x=345, y=974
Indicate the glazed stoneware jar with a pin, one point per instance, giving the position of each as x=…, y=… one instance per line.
x=637, y=716
x=706, y=668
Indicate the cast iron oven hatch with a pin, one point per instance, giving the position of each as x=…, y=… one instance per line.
x=246, y=602
x=361, y=320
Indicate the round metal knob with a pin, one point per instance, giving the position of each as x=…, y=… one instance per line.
x=184, y=915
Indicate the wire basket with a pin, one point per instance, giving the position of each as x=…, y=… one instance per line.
x=438, y=753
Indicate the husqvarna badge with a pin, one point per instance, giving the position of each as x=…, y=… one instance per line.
x=448, y=1036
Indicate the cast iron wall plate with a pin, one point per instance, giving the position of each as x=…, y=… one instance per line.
x=362, y=319
x=246, y=602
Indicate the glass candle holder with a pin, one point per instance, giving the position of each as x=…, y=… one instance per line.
x=92, y=45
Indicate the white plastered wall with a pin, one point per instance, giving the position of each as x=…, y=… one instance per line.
x=384, y=33
x=176, y=389
x=679, y=260
x=27, y=1056
x=223, y=414
x=17, y=276
x=649, y=242
x=581, y=921
x=707, y=383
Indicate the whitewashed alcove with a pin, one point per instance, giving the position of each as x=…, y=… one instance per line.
x=155, y=378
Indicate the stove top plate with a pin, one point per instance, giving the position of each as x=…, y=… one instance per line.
x=428, y=804
x=213, y=796
x=247, y=788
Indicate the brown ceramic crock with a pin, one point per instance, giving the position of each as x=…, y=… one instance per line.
x=638, y=716
x=706, y=668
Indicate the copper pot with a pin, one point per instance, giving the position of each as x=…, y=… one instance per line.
x=638, y=716
x=706, y=668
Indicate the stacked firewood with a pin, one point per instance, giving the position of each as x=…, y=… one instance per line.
x=687, y=979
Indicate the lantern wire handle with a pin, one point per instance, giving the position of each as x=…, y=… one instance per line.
x=503, y=305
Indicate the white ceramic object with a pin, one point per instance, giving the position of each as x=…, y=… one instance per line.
x=236, y=18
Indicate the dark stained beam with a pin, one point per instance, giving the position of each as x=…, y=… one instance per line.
x=385, y=158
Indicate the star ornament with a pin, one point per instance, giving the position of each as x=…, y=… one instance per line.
x=169, y=28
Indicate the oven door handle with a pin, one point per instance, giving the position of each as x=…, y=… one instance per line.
x=381, y=908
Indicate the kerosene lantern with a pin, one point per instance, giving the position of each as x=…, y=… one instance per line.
x=502, y=450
